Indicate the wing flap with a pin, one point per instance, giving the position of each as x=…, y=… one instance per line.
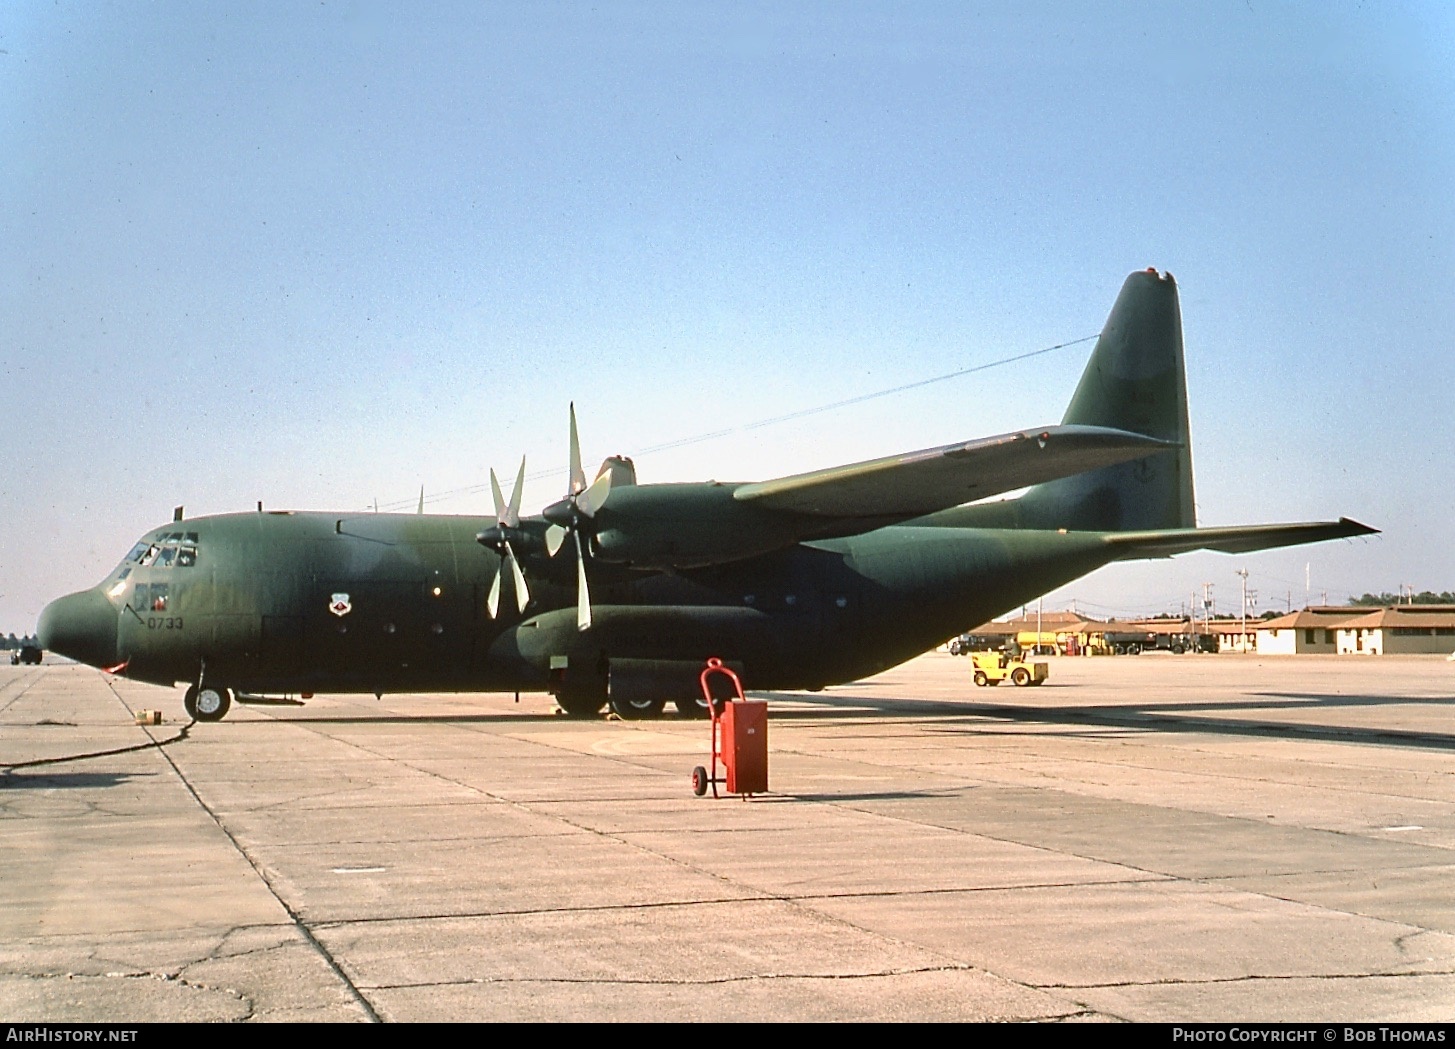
x=922, y=482
x=1237, y=539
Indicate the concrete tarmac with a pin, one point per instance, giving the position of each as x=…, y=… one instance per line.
x=1152, y=838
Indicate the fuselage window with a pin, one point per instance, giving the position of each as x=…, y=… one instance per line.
x=167, y=556
x=150, y=597
x=117, y=587
x=148, y=555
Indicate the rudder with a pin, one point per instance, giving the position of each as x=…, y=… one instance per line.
x=1135, y=380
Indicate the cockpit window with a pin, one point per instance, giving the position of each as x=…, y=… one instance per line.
x=168, y=550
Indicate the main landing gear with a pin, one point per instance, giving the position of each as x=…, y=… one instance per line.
x=208, y=703
x=637, y=709
x=589, y=704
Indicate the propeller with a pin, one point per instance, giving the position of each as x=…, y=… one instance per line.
x=507, y=523
x=571, y=515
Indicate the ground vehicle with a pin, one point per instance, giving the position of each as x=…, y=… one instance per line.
x=29, y=654
x=967, y=643
x=991, y=668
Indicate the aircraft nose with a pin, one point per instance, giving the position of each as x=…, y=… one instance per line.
x=81, y=626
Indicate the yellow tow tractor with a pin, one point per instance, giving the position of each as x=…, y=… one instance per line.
x=991, y=668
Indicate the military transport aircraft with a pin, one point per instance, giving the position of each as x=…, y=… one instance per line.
x=619, y=592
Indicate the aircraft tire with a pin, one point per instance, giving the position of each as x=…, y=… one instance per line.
x=981, y=679
x=638, y=709
x=211, y=703
x=1021, y=676
x=695, y=707
x=577, y=705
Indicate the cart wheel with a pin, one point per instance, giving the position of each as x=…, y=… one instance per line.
x=699, y=781
x=980, y=678
x=1021, y=676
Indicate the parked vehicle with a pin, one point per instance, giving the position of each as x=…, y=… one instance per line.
x=991, y=668
x=967, y=643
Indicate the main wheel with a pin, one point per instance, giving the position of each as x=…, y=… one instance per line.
x=210, y=703
x=699, y=781
x=1021, y=676
x=581, y=704
x=638, y=709
x=694, y=707
x=981, y=679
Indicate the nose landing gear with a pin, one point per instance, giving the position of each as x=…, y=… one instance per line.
x=207, y=703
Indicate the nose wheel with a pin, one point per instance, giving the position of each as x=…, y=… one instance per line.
x=208, y=703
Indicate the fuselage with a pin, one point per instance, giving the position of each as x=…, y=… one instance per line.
x=315, y=602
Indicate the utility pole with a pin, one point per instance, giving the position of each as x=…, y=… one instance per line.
x=1243, y=630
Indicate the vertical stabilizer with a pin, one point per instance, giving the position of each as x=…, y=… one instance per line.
x=1134, y=381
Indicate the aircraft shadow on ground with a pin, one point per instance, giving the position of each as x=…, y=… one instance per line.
x=951, y=715
x=66, y=780
x=416, y=719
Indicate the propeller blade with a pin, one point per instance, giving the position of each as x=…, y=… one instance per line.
x=421, y=500
x=514, y=508
x=594, y=497
x=522, y=592
x=499, y=499
x=492, y=602
x=578, y=476
x=583, y=595
x=555, y=536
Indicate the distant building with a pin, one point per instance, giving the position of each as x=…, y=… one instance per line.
x=1399, y=630
x=1311, y=630
x=1316, y=630
x=1235, y=635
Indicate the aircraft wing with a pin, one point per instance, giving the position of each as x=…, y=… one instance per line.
x=1238, y=539
x=917, y=483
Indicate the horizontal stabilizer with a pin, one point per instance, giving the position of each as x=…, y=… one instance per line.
x=922, y=482
x=1238, y=539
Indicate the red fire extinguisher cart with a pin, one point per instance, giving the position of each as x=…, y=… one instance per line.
x=739, y=739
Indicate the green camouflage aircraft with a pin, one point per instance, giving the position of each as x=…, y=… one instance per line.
x=619, y=592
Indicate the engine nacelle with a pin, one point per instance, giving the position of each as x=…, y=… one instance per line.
x=665, y=526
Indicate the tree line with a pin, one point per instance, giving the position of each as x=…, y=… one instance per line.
x=1424, y=597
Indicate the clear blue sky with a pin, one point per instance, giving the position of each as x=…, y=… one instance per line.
x=319, y=254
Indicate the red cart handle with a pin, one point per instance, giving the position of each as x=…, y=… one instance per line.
x=714, y=666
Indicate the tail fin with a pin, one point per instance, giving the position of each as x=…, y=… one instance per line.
x=1134, y=381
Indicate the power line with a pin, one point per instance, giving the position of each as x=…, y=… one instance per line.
x=712, y=435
